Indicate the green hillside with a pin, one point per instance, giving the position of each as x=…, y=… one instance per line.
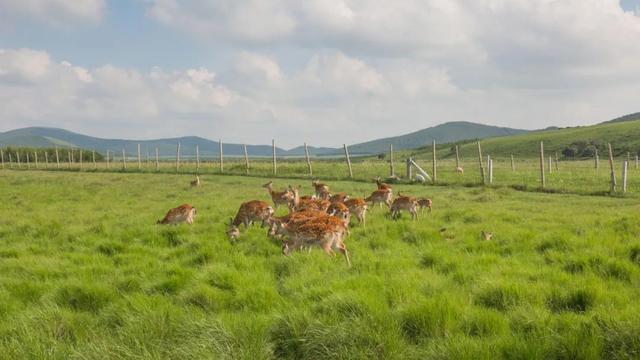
x=576, y=142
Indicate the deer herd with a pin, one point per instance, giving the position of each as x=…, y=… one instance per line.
x=321, y=219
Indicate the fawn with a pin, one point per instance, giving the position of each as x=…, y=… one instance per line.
x=183, y=213
x=358, y=207
x=278, y=197
x=380, y=197
x=459, y=170
x=425, y=203
x=407, y=203
x=196, y=182
x=322, y=190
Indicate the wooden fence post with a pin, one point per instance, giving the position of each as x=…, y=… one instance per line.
x=124, y=159
x=306, y=155
x=628, y=157
x=108, y=164
x=197, y=158
x=148, y=158
x=513, y=165
x=139, y=159
x=613, y=173
x=246, y=159
x=392, y=169
x=624, y=176
x=157, y=160
x=457, y=158
x=178, y=157
x=550, y=163
x=275, y=167
x=46, y=159
x=93, y=158
x=35, y=157
x=10, y=161
x=57, y=159
x=490, y=171
x=221, y=156
x=346, y=154
x=69, y=159
x=28, y=165
x=480, y=161
x=73, y=160
x=2, y=156
x=597, y=157
x=409, y=172
x=636, y=161
x=18, y=157
x=435, y=164
x=557, y=166
x=542, y=179
x=80, y=159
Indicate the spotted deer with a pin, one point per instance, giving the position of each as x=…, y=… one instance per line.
x=341, y=211
x=183, y=213
x=278, y=197
x=358, y=207
x=380, y=197
x=406, y=203
x=249, y=212
x=322, y=190
x=328, y=233
x=196, y=182
x=381, y=185
x=299, y=204
x=425, y=203
x=276, y=223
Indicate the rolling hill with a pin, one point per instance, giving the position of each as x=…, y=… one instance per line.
x=574, y=142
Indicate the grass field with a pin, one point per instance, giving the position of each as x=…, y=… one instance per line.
x=86, y=273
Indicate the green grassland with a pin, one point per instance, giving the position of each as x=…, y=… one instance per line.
x=86, y=273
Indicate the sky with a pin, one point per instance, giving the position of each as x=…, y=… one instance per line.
x=325, y=72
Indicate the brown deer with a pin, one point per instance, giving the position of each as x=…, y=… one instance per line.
x=407, y=203
x=322, y=190
x=380, y=197
x=425, y=203
x=278, y=197
x=486, y=235
x=299, y=204
x=196, y=182
x=341, y=211
x=460, y=170
x=249, y=212
x=276, y=223
x=358, y=207
x=328, y=233
x=381, y=185
x=339, y=197
x=183, y=213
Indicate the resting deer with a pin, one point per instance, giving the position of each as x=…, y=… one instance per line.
x=460, y=170
x=486, y=235
x=278, y=197
x=327, y=233
x=358, y=207
x=196, y=182
x=322, y=190
x=406, y=203
x=299, y=204
x=425, y=203
x=249, y=212
x=183, y=213
x=380, y=197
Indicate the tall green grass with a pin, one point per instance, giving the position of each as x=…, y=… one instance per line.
x=86, y=273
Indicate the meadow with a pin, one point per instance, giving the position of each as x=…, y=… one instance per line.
x=86, y=273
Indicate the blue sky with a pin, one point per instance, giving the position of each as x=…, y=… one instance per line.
x=321, y=71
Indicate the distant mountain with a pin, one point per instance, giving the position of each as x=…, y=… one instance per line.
x=50, y=137
x=630, y=117
x=443, y=133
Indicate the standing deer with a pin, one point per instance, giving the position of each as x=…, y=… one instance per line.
x=328, y=233
x=381, y=185
x=249, y=212
x=380, y=197
x=278, y=197
x=460, y=170
x=425, y=203
x=358, y=207
x=322, y=190
x=406, y=203
x=183, y=213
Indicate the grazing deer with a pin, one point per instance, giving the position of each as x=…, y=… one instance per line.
x=381, y=185
x=339, y=197
x=278, y=197
x=327, y=233
x=249, y=212
x=196, y=182
x=425, y=203
x=460, y=170
x=322, y=190
x=276, y=223
x=183, y=213
x=341, y=211
x=380, y=197
x=358, y=207
x=407, y=203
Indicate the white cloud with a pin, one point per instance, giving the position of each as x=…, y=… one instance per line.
x=52, y=12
